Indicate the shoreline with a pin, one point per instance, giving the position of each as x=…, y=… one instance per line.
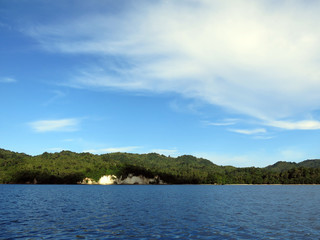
x=167, y=184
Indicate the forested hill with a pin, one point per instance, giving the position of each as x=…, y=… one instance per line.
x=69, y=168
x=284, y=166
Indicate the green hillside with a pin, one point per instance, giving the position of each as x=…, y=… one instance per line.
x=314, y=163
x=284, y=166
x=69, y=168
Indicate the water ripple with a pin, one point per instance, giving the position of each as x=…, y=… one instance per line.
x=159, y=212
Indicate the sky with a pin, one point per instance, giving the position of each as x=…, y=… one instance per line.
x=236, y=82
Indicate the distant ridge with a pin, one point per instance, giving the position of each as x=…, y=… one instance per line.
x=312, y=163
x=284, y=166
x=68, y=167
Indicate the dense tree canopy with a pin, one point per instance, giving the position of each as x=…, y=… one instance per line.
x=69, y=168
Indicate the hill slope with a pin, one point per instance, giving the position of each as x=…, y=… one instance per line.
x=310, y=163
x=284, y=166
x=69, y=168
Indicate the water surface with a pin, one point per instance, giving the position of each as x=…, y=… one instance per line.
x=159, y=212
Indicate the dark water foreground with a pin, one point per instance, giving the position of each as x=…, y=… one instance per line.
x=159, y=212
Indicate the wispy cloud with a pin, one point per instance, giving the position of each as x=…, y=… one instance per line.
x=226, y=122
x=7, y=80
x=57, y=94
x=263, y=137
x=110, y=150
x=185, y=107
x=256, y=58
x=57, y=125
x=249, y=131
x=298, y=125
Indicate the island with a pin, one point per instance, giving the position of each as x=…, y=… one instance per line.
x=68, y=167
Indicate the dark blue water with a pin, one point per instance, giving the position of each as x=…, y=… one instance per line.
x=159, y=212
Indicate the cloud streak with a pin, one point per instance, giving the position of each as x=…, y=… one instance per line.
x=226, y=122
x=7, y=80
x=255, y=58
x=298, y=125
x=57, y=125
x=249, y=131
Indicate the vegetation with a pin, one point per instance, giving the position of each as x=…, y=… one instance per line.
x=69, y=168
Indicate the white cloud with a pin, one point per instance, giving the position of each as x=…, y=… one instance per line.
x=258, y=58
x=298, y=125
x=226, y=122
x=60, y=125
x=110, y=150
x=7, y=80
x=249, y=131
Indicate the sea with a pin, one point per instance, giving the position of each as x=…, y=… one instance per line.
x=160, y=212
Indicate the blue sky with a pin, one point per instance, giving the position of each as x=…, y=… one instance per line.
x=236, y=82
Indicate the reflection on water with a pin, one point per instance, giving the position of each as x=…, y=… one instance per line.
x=159, y=212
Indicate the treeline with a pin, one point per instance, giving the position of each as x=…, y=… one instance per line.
x=69, y=168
